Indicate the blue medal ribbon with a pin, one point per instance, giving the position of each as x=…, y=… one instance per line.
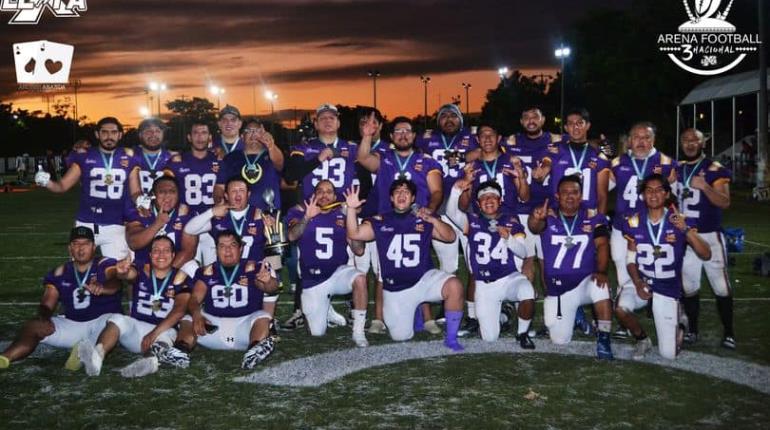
x=490, y=172
x=569, y=228
x=236, y=225
x=640, y=173
x=688, y=178
x=156, y=293
x=451, y=142
x=152, y=163
x=82, y=281
x=252, y=165
x=229, y=147
x=655, y=238
x=228, y=280
x=579, y=164
x=402, y=166
x=107, y=163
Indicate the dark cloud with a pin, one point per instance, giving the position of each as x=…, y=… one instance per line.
x=402, y=37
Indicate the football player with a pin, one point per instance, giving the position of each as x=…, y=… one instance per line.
x=150, y=160
x=575, y=261
x=401, y=162
x=494, y=237
x=229, y=139
x=158, y=302
x=89, y=291
x=657, y=235
x=103, y=172
x=403, y=244
x=703, y=189
x=196, y=174
x=319, y=227
x=259, y=164
x=226, y=305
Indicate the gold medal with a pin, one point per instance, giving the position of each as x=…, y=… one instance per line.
x=252, y=174
x=108, y=179
x=155, y=305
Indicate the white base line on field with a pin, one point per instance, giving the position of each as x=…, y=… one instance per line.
x=756, y=243
x=36, y=257
x=319, y=369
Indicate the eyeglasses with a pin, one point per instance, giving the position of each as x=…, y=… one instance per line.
x=580, y=124
x=402, y=131
x=252, y=130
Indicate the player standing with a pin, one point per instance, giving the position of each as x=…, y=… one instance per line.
x=229, y=139
x=150, y=159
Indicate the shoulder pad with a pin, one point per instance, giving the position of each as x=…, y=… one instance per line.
x=173, y=154
x=208, y=270
x=377, y=217
x=715, y=165
x=553, y=149
x=251, y=266
x=180, y=277
x=665, y=159
x=511, y=140
x=603, y=157
x=147, y=269
x=129, y=151
x=176, y=158
x=633, y=221
x=615, y=161
x=59, y=270
x=257, y=213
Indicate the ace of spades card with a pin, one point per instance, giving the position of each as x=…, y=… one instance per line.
x=42, y=62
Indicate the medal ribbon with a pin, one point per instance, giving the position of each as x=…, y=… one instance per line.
x=402, y=166
x=252, y=165
x=107, y=164
x=229, y=279
x=688, y=178
x=239, y=226
x=490, y=172
x=451, y=142
x=152, y=163
x=568, y=228
x=156, y=293
x=229, y=147
x=640, y=173
x=578, y=164
x=170, y=214
x=82, y=281
x=655, y=238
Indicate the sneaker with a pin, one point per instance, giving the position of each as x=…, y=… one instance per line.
x=360, y=339
x=175, y=357
x=73, y=361
x=258, y=353
x=691, y=338
x=377, y=327
x=334, y=319
x=583, y=324
x=728, y=342
x=142, y=367
x=295, y=321
x=90, y=358
x=454, y=345
x=525, y=342
x=621, y=333
x=507, y=313
x=431, y=327
x=471, y=327
x=603, y=348
x=642, y=346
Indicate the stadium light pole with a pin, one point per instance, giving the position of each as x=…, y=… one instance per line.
x=503, y=73
x=217, y=91
x=144, y=112
x=425, y=80
x=374, y=74
x=467, y=87
x=561, y=53
x=158, y=87
x=271, y=97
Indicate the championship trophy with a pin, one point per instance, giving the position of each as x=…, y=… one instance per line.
x=277, y=246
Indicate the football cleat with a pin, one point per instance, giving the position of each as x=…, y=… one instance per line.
x=334, y=319
x=728, y=342
x=360, y=340
x=175, y=357
x=525, y=342
x=691, y=338
x=470, y=328
x=73, y=361
x=542, y=333
x=642, y=346
x=90, y=358
x=431, y=327
x=603, y=348
x=258, y=353
x=295, y=321
x=507, y=313
x=583, y=324
x=142, y=367
x=621, y=333
x=377, y=327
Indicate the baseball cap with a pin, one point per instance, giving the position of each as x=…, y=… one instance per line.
x=81, y=232
x=149, y=122
x=229, y=109
x=327, y=107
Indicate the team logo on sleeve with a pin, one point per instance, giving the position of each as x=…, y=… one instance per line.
x=671, y=238
x=123, y=162
x=243, y=280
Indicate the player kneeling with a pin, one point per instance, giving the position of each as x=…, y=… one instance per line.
x=87, y=288
x=158, y=303
x=657, y=239
x=576, y=254
x=403, y=239
x=494, y=238
x=319, y=227
x=231, y=292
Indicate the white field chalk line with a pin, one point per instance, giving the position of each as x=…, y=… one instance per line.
x=320, y=369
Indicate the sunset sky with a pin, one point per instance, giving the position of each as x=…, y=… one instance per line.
x=308, y=52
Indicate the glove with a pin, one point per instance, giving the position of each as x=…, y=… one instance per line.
x=143, y=201
x=42, y=177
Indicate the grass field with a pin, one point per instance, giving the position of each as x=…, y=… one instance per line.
x=458, y=391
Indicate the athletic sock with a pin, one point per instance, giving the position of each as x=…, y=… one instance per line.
x=471, y=309
x=419, y=321
x=692, y=310
x=725, y=308
x=453, y=319
x=523, y=326
x=359, y=320
x=604, y=325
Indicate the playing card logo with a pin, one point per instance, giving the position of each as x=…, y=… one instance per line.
x=30, y=11
x=42, y=62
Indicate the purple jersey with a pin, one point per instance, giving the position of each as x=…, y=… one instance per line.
x=339, y=170
x=322, y=246
x=435, y=144
x=662, y=272
x=163, y=291
x=488, y=252
x=531, y=152
x=173, y=229
x=78, y=303
x=250, y=227
x=569, y=257
x=234, y=297
x=698, y=209
x=218, y=143
x=151, y=166
x=104, y=183
x=626, y=172
x=258, y=171
x=416, y=167
x=493, y=171
x=403, y=244
x=196, y=179
x=584, y=161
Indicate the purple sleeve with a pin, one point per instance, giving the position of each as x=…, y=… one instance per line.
x=50, y=279
x=101, y=269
